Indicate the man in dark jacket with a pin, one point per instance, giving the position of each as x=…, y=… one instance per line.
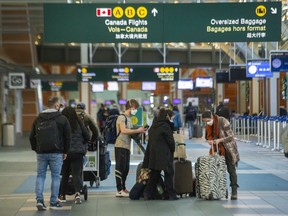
x=50, y=139
x=159, y=154
x=88, y=121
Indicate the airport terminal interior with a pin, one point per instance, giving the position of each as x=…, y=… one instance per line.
x=161, y=53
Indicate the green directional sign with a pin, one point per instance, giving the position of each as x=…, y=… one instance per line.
x=196, y=22
x=59, y=86
x=129, y=73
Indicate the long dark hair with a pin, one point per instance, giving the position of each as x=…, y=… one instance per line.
x=72, y=117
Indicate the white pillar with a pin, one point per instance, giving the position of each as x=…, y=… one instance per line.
x=85, y=91
x=18, y=111
x=274, y=94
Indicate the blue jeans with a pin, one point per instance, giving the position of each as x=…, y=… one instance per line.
x=55, y=161
x=190, y=128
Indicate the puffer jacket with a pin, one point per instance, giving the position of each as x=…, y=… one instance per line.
x=79, y=140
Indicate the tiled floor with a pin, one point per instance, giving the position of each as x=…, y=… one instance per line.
x=262, y=175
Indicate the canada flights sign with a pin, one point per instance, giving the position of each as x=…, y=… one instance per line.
x=196, y=22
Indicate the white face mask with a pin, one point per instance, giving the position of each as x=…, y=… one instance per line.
x=210, y=123
x=133, y=111
x=61, y=109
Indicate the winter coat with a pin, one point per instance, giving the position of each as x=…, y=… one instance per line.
x=161, y=145
x=64, y=131
x=79, y=140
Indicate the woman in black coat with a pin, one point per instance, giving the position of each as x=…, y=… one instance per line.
x=159, y=154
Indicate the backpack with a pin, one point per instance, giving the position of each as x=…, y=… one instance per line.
x=190, y=114
x=110, y=128
x=47, y=135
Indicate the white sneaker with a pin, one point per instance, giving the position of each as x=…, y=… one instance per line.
x=122, y=193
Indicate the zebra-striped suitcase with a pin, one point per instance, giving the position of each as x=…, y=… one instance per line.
x=211, y=182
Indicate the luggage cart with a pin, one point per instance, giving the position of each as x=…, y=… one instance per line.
x=91, y=167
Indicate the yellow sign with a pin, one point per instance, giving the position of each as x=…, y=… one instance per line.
x=142, y=12
x=134, y=120
x=260, y=10
x=118, y=12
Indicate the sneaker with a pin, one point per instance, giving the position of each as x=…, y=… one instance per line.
x=41, y=206
x=77, y=199
x=62, y=199
x=122, y=193
x=55, y=205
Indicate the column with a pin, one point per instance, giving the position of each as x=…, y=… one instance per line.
x=84, y=86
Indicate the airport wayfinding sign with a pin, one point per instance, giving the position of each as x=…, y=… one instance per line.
x=167, y=73
x=196, y=22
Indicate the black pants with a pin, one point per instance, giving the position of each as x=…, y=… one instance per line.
x=231, y=169
x=72, y=165
x=168, y=181
x=122, y=159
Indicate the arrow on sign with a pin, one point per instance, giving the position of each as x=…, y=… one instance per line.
x=154, y=11
x=273, y=10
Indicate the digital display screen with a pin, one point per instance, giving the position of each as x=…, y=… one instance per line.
x=107, y=102
x=204, y=82
x=148, y=86
x=258, y=68
x=238, y=73
x=112, y=86
x=145, y=102
x=279, y=61
x=122, y=102
x=185, y=84
x=97, y=87
x=176, y=101
x=223, y=77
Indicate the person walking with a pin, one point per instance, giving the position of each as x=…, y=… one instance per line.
x=89, y=123
x=50, y=138
x=122, y=146
x=219, y=132
x=159, y=155
x=177, y=119
x=190, y=117
x=74, y=161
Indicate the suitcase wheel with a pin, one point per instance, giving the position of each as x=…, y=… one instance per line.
x=226, y=193
x=85, y=192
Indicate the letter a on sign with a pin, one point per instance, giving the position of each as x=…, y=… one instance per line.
x=103, y=12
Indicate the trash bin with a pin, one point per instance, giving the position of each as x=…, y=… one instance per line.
x=8, y=135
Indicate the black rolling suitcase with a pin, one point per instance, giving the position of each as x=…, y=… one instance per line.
x=183, y=177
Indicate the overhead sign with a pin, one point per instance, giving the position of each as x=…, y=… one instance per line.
x=129, y=73
x=16, y=80
x=59, y=86
x=258, y=68
x=279, y=61
x=198, y=22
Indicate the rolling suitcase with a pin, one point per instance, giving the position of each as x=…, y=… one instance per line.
x=183, y=177
x=197, y=131
x=211, y=182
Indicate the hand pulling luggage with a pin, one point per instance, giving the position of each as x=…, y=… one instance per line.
x=211, y=182
x=183, y=177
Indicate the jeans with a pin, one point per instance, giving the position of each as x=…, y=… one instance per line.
x=55, y=161
x=190, y=128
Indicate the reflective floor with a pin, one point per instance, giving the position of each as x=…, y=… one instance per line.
x=262, y=176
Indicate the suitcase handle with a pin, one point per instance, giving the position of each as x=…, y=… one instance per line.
x=217, y=148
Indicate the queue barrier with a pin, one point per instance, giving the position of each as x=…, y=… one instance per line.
x=267, y=130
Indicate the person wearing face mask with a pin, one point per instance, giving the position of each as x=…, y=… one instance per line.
x=122, y=146
x=219, y=132
x=159, y=155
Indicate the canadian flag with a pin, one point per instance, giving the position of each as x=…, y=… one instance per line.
x=103, y=12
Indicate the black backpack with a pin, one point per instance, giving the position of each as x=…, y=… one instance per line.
x=110, y=129
x=190, y=114
x=47, y=135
